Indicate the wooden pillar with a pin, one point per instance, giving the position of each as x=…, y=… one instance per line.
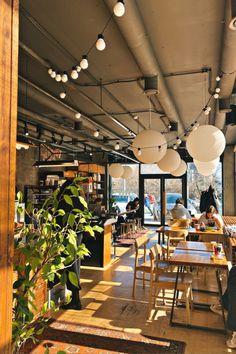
x=9, y=29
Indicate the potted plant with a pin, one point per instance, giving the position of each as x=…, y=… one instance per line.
x=47, y=247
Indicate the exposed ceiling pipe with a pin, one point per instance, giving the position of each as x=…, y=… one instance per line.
x=228, y=63
x=133, y=30
x=75, y=87
x=39, y=119
x=41, y=96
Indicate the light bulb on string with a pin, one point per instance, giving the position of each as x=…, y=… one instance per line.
x=175, y=147
x=218, y=78
x=84, y=62
x=169, y=126
x=58, y=77
x=50, y=71
x=100, y=44
x=206, y=110
x=78, y=68
x=217, y=90
x=96, y=133
x=74, y=73
x=53, y=74
x=139, y=152
x=117, y=146
x=119, y=8
x=64, y=77
x=63, y=94
x=216, y=95
x=135, y=117
x=77, y=115
x=178, y=141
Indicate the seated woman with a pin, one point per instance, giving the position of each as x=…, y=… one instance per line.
x=211, y=218
x=134, y=206
x=179, y=211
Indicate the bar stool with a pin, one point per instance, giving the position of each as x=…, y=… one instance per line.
x=138, y=224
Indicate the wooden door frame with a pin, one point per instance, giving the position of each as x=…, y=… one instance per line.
x=9, y=41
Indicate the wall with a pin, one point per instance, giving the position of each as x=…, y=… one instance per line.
x=229, y=182
x=25, y=172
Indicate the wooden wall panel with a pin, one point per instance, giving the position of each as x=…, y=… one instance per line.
x=9, y=29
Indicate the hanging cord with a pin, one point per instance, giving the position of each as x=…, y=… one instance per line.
x=150, y=113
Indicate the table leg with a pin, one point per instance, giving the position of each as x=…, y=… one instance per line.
x=174, y=296
x=220, y=297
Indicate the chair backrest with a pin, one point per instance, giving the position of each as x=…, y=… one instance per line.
x=155, y=252
x=141, y=242
x=178, y=234
x=180, y=223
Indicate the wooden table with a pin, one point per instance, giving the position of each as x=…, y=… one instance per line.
x=209, y=235
x=196, y=254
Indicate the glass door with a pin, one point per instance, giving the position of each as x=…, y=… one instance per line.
x=158, y=195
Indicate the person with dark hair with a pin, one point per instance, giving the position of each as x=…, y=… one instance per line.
x=211, y=218
x=179, y=211
x=229, y=304
x=134, y=206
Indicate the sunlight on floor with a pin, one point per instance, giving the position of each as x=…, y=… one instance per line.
x=124, y=268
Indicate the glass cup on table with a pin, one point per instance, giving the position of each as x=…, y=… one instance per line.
x=197, y=227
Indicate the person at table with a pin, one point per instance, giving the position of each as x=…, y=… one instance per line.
x=229, y=304
x=179, y=211
x=132, y=205
x=211, y=218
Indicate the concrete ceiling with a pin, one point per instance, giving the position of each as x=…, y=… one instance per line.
x=184, y=42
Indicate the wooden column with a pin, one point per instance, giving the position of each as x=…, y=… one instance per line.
x=9, y=28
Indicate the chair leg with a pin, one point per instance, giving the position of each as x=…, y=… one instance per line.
x=187, y=295
x=134, y=284
x=150, y=302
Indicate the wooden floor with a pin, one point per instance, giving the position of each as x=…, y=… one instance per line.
x=107, y=302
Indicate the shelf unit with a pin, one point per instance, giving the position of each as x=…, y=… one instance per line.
x=37, y=194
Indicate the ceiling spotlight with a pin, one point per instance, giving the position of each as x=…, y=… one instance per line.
x=100, y=44
x=175, y=147
x=50, y=71
x=84, y=62
x=53, y=74
x=119, y=8
x=218, y=78
x=135, y=117
x=217, y=90
x=58, y=77
x=64, y=77
x=78, y=68
x=74, y=73
x=63, y=94
x=117, y=146
x=77, y=115
x=91, y=154
x=96, y=133
x=178, y=140
x=216, y=95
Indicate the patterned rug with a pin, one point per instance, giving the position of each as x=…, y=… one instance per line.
x=129, y=241
x=95, y=340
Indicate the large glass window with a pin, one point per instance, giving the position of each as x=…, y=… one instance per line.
x=196, y=183
x=124, y=190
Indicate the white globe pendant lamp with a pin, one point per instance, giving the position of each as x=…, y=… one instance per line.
x=149, y=146
x=207, y=166
x=128, y=172
x=206, y=143
x=116, y=170
x=180, y=170
x=205, y=172
x=170, y=161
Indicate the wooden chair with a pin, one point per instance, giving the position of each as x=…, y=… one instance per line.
x=173, y=238
x=180, y=223
x=160, y=280
x=142, y=264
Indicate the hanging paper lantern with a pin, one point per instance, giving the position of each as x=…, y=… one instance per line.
x=116, y=170
x=128, y=172
x=180, y=170
x=206, y=143
x=206, y=166
x=206, y=172
x=170, y=161
x=149, y=146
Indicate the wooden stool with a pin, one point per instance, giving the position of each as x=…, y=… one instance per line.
x=138, y=224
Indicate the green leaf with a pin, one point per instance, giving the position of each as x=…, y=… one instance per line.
x=68, y=199
x=83, y=202
x=71, y=220
x=73, y=279
x=89, y=229
x=19, y=197
x=61, y=212
x=63, y=278
x=74, y=190
x=97, y=228
x=61, y=352
x=46, y=351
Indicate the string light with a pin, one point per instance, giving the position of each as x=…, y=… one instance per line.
x=119, y=8
x=218, y=78
x=117, y=146
x=26, y=131
x=175, y=147
x=84, y=62
x=96, y=133
x=77, y=115
x=53, y=74
x=169, y=126
x=139, y=152
x=100, y=44
x=217, y=90
x=58, y=77
x=135, y=117
x=216, y=95
x=50, y=71
x=74, y=73
x=63, y=94
x=178, y=140
x=78, y=68
x=64, y=77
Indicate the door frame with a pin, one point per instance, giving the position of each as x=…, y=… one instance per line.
x=162, y=178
